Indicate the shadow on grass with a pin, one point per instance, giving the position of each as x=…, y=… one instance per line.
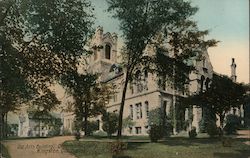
x=24, y=138
x=186, y=142
x=135, y=145
x=242, y=154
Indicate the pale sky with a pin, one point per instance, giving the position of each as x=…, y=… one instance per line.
x=227, y=21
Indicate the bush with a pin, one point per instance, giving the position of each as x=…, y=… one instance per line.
x=54, y=132
x=92, y=126
x=77, y=136
x=202, y=125
x=212, y=129
x=232, y=124
x=66, y=132
x=192, y=133
x=155, y=133
x=110, y=123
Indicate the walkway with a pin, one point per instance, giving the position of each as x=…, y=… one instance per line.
x=244, y=134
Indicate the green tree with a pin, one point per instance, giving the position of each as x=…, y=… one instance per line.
x=40, y=41
x=90, y=97
x=14, y=86
x=222, y=95
x=141, y=21
x=110, y=123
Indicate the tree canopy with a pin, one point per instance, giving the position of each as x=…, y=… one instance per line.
x=222, y=95
x=141, y=21
x=40, y=41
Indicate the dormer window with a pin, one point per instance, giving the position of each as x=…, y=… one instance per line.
x=107, y=51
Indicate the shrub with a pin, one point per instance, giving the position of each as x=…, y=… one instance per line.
x=202, y=125
x=155, y=133
x=110, y=123
x=212, y=129
x=192, y=133
x=77, y=136
x=92, y=126
x=232, y=124
x=66, y=132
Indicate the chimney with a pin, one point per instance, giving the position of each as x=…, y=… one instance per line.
x=233, y=70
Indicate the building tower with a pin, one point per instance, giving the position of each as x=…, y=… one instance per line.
x=233, y=70
x=104, y=47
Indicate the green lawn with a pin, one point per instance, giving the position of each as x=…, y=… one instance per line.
x=171, y=148
x=4, y=151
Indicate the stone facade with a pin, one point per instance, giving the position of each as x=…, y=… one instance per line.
x=146, y=94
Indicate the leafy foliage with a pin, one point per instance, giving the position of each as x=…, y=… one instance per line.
x=89, y=96
x=192, y=133
x=92, y=126
x=40, y=41
x=232, y=124
x=142, y=21
x=156, y=120
x=154, y=117
x=110, y=123
x=155, y=133
x=217, y=100
x=212, y=129
x=128, y=122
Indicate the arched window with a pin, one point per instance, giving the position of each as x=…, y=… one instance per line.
x=107, y=51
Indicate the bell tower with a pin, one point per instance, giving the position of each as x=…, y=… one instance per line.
x=104, y=48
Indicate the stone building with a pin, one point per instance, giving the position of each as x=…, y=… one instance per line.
x=145, y=94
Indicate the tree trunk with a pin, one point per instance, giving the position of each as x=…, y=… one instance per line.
x=119, y=133
x=222, y=116
x=164, y=119
x=86, y=110
x=1, y=126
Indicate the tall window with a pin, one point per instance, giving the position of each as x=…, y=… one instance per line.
x=138, y=130
x=131, y=112
x=139, y=86
x=164, y=108
x=115, y=97
x=107, y=51
x=146, y=109
x=204, y=63
x=145, y=74
x=131, y=86
x=207, y=83
x=202, y=83
x=138, y=110
x=95, y=55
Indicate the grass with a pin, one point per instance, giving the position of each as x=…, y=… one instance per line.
x=4, y=151
x=171, y=148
